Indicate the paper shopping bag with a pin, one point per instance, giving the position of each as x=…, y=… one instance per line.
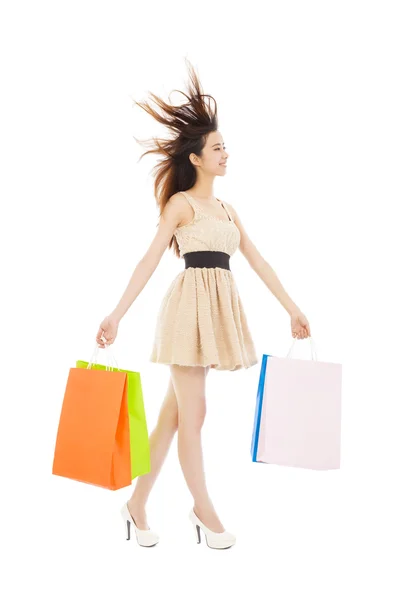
x=297, y=418
x=138, y=432
x=93, y=444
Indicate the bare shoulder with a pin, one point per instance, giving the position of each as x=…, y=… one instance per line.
x=176, y=205
x=177, y=209
x=177, y=199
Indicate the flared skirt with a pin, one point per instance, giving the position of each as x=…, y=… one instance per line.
x=202, y=322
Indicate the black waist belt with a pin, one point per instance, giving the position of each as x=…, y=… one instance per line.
x=207, y=258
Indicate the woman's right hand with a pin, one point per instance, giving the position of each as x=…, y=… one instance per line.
x=108, y=329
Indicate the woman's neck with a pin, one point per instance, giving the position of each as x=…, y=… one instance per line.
x=203, y=194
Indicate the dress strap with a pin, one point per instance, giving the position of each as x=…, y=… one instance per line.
x=226, y=209
x=191, y=201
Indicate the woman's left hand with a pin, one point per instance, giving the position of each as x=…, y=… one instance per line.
x=299, y=325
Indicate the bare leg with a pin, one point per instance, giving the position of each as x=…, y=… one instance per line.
x=189, y=384
x=160, y=441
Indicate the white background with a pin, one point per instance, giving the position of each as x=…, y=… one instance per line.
x=308, y=102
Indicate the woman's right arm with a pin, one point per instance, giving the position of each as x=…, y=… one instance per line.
x=169, y=221
x=175, y=210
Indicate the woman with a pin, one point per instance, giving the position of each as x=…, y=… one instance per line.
x=201, y=322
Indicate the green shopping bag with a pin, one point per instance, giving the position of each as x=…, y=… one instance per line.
x=138, y=433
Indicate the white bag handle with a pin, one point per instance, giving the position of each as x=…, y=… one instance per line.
x=108, y=353
x=313, y=348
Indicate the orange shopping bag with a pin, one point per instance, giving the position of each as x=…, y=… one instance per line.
x=93, y=444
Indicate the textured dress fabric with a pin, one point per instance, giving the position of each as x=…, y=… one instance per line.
x=201, y=320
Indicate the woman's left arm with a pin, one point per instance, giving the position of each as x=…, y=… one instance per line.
x=299, y=324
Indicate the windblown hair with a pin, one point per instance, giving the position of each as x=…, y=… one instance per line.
x=190, y=124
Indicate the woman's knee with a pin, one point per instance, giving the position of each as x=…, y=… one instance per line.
x=169, y=412
x=189, y=386
x=191, y=421
x=169, y=409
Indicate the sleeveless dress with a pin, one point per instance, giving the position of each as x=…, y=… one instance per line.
x=201, y=320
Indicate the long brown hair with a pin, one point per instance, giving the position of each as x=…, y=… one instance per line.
x=190, y=123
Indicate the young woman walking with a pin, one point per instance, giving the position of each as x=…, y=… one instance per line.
x=201, y=323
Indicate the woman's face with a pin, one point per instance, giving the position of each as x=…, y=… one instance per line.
x=213, y=156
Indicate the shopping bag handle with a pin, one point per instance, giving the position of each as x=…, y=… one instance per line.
x=313, y=348
x=109, y=356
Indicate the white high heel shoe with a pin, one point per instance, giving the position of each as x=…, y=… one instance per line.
x=145, y=537
x=214, y=540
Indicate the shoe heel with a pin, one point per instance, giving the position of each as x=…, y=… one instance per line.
x=197, y=529
x=128, y=529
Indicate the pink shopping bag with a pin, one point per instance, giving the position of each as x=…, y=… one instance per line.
x=297, y=419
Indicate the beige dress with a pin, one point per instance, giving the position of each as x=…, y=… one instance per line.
x=201, y=320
